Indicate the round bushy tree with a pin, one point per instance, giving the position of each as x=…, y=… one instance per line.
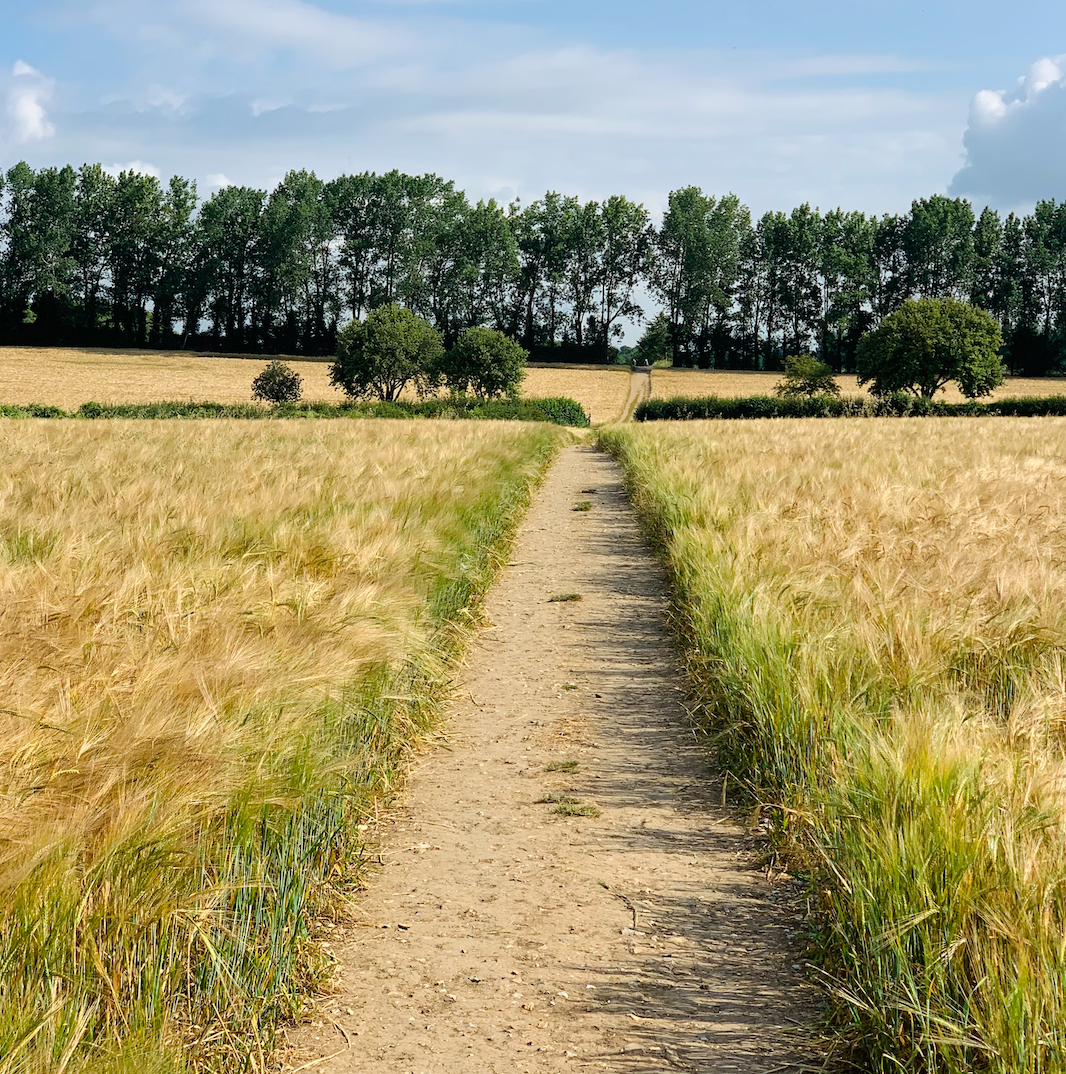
x=278, y=383
x=928, y=342
x=377, y=358
x=485, y=363
x=805, y=375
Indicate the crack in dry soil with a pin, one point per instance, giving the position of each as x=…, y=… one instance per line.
x=504, y=935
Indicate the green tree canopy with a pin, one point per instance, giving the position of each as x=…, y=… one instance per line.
x=928, y=342
x=656, y=344
x=377, y=358
x=486, y=363
x=805, y=375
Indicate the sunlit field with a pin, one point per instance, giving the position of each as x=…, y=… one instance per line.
x=218, y=642
x=734, y=384
x=874, y=614
x=68, y=377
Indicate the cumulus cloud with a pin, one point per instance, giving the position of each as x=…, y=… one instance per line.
x=140, y=167
x=1015, y=140
x=28, y=93
x=219, y=181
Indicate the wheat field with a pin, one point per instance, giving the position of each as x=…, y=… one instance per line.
x=874, y=614
x=218, y=640
x=69, y=377
x=735, y=384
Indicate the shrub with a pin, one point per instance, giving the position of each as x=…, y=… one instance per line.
x=806, y=376
x=486, y=363
x=278, y=383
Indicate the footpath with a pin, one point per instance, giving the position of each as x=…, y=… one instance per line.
x=562, y=889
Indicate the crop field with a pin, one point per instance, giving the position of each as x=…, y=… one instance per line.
x=218, y=642
x=875, y=622
x=734, y=384
x=68, y=377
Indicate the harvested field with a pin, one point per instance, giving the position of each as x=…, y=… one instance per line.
x=730, y=384
x=875, y=620
x=218, y=642
x=68, y=377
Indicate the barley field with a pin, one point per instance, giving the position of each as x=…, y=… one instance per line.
x=218, y=642
x=874, y=616
x=67, y=377
x=734, y=384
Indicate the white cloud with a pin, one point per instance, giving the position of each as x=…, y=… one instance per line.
x=27, y=94
x=219, y=181
x=140, y=167
x=293, y=25
x=1016, y=140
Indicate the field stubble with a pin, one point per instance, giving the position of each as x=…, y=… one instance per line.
x=218, y=641
x=875, y=621
x=69, y=377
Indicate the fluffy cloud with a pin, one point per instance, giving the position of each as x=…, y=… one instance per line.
x=27, y=94
x=247, y=89
x=1016, y=140
x=139, y=167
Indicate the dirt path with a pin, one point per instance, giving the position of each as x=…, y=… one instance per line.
x=500, y=936
x=639, y=392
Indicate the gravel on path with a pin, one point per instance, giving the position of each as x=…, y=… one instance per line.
x=562, y=889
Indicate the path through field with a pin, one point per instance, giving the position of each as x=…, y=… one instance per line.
x=504, y=936
x=639, y=391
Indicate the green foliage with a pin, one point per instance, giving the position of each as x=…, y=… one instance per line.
x=696, y=264
x=897, y=405
x=379, y=357
x=278, y=383
x=806, y=376
x=558, y=410
x=485, y=363
x=928, y=342
x=655, y=345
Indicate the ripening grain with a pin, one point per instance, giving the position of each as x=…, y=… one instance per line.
x=69, y=376
x=876, y=620
x=734, y=384
x=217, y=641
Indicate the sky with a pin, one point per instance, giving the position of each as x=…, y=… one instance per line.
x=837, y=102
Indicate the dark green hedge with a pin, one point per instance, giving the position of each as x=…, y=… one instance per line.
x=561, y=411
x=893, y=406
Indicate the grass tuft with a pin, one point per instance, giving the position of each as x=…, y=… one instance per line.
x=566, y=806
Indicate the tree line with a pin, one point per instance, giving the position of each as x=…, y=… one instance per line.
x=89, y=258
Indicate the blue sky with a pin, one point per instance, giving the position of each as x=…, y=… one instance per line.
x=863, y=105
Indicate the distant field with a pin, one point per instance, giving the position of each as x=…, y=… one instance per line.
x=875, y=622
x=217, y=642
x=68, y=377
x=667, y=383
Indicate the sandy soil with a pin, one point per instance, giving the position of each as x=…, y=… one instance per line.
x=731, y=384
x=501, y=936
x=639, y=392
